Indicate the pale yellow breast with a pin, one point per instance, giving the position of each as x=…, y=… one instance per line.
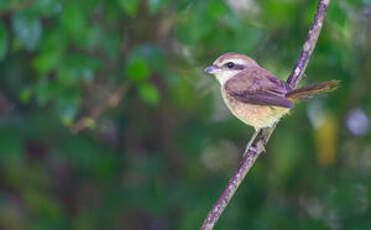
x=258, y=116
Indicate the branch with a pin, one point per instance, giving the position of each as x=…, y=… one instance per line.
x=309, y=44
x=261, y=140
x=111, y=101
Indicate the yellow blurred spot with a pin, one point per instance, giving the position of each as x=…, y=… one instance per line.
x=325, y=137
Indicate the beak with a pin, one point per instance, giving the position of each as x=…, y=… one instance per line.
x=211, y=69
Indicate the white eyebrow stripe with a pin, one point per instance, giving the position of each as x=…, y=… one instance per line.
x=235, y=61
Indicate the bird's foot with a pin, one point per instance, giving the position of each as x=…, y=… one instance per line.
x=260, y=147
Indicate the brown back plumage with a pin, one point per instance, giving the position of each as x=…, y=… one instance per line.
x=256, y=85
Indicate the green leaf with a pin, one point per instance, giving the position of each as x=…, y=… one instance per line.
x=25, y=95
x=27, y=30
x=47, y=61
x=52, y=37
x=149, y=93
x=216, y=9
x=3, y=41
x=73, y=22
x=137, y=69
x=129, y=6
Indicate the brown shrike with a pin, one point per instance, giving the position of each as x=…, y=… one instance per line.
x=255, y=95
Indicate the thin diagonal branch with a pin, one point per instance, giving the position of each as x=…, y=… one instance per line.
x=309, y=44
x=261, y=140
x=95, y=113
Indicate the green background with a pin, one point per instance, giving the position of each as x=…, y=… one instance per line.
x=108, y=122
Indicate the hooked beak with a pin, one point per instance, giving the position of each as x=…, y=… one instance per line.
x=211, y=69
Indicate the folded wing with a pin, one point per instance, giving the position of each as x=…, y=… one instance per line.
x=256, y=85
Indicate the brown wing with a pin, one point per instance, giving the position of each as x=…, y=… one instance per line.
x=256, y=85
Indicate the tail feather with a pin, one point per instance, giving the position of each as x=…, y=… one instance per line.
x=309, y=90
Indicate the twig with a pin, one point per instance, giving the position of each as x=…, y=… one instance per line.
x=111, y=101
x=257, y=148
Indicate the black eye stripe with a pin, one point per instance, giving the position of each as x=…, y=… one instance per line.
x=231, y=65
x=238, y=67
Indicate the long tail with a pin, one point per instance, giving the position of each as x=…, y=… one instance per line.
x=309, y=90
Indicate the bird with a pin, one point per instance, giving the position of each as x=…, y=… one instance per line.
x=255, y=95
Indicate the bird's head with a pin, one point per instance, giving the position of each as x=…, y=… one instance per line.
x=228, y=65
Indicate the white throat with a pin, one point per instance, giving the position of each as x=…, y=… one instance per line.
x=224, y=76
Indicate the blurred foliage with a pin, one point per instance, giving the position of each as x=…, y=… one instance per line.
x=156, y=155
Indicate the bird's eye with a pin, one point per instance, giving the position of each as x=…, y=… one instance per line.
x=230, y=65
